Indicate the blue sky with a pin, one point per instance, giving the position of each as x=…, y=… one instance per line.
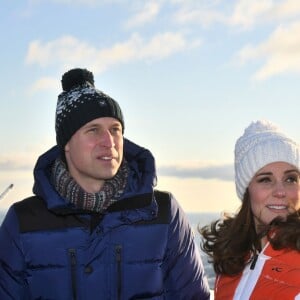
x=190, y=75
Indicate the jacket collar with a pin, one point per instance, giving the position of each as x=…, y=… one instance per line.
x=139, y=188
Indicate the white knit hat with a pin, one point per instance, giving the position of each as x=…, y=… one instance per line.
x=262, y=143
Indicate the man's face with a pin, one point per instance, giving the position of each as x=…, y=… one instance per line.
x=95, y=152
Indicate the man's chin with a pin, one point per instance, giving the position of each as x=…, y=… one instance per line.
x=108, y=175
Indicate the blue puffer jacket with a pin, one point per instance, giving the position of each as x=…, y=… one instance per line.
x=141, y=248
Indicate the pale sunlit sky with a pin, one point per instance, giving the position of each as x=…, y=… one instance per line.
x=190, y=75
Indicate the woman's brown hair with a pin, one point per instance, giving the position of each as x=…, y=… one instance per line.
x=231, y=242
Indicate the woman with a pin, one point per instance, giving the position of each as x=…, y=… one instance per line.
x=256, y=253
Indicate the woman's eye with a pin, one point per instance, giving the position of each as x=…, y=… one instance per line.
x=292, y=179
x=264, y=180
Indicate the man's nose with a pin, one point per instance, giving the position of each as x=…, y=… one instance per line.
x=107, y=139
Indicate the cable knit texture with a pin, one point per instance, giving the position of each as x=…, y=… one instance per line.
x=262, y=143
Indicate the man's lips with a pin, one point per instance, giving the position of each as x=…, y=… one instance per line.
x=106, y=157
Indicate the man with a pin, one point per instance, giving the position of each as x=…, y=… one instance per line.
x=96, y=228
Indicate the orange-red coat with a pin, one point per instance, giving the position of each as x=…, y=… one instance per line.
x=276, y=275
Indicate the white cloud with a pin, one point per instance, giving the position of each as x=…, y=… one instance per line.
x=286, y=9
x=24, y=160
x=280, y=52
x=16, y=162
x=204, y=171
x=247, y=12
x=164, y=45
x=145, y=15
x=242, y=14
x=65, y=49
x=46, y=83
x=75, y=2
x=69, y=51
x=205, y=13
x=204, y=16
x=195, y=194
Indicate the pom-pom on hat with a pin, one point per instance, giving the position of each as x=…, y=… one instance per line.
x=79, y=103
x=262, y=143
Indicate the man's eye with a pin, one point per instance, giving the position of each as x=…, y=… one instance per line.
x=116, y=129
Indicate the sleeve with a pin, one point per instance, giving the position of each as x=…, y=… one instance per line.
x=185, y=278
x=12, y=263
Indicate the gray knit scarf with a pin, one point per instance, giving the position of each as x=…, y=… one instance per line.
x=69, y=189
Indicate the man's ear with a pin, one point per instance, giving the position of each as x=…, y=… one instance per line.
x=67, y=147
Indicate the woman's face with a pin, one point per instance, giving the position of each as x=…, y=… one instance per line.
x=274, y=191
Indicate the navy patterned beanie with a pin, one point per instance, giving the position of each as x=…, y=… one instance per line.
x=79, y=103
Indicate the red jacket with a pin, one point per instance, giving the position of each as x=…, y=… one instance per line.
x=275, y=275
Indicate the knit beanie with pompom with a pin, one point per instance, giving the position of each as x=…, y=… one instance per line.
x=262, y=143
x=79, y=103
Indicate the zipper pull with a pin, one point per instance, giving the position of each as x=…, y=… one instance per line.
x=118, y=252
x=253, y=263
x=72, y=253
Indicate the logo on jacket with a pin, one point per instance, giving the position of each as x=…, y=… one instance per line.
x=277, y=269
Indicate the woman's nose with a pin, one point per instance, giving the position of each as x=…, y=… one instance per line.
x=279, y=190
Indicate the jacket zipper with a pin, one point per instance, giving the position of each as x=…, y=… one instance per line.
x=253, y=263
x=118, y=251
x=72, y=254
